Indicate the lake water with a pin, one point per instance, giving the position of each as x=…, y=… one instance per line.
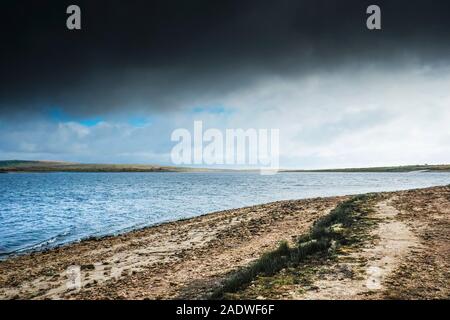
x=40, y=210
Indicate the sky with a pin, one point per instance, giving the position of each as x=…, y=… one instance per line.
x=114, y=91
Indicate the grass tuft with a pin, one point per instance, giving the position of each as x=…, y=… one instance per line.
x=326, y=231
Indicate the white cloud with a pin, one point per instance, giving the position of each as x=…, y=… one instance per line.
x=354, y=118
x=347, y=118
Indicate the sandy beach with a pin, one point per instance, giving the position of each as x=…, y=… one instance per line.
x=406, y=255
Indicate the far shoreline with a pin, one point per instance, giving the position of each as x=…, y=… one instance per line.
x=29, y=166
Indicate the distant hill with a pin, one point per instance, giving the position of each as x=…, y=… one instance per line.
x=59, y=166
x=410, y=168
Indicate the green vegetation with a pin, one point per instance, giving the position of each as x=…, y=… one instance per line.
x=327, y=234
x=54, y=166
x=59, y=166
x=410, y=168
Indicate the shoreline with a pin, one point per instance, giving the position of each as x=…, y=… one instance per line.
x=30, y=166
x=30, y=251
x=185, y=258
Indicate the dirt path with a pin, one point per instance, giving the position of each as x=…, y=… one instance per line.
x=399, y=250
x=425, y=273
x=393, y=242
x=180, y=259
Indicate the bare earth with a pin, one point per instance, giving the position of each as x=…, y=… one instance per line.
x=180, y=259
x=393, y=244
x=405, y=254
x=409, y=257
x=406, y=257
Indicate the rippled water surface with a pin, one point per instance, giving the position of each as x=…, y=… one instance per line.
x=40, y=210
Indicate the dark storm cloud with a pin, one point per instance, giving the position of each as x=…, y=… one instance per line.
x=160, y=55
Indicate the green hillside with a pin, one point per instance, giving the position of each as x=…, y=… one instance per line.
x=410, y=168
x=55, y=166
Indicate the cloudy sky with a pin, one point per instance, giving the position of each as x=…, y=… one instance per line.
x=341, y=95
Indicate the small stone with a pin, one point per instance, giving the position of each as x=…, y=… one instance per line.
x=87, y=267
